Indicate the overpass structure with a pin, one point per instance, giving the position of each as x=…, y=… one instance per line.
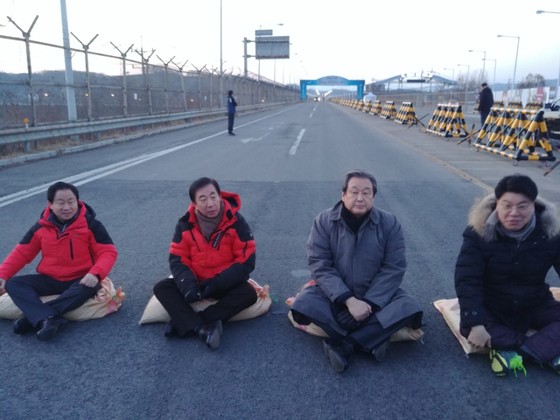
x=405, y=78
x=360, y=84
x=331, y=81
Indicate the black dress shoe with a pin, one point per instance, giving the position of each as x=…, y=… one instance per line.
x=22, y=326
x=211, y=333
x=380, y=352
x=50, y=327
x=337, y=354
x=170, y=330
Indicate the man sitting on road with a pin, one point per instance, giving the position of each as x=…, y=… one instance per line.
x=211, y=256
x=356, y=255
x=77, y=253
x=511, y=243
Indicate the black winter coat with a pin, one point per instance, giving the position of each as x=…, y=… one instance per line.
x=486, y=99
x=496, y=274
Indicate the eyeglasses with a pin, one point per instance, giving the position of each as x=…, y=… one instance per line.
x=521, y=208
x=366, y=194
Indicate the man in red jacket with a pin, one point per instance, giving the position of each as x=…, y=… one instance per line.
x=77, y=253
x=211, y=256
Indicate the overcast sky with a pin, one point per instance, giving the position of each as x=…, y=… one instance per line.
x=355, y=39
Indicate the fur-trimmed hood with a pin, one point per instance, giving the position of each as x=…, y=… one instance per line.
x=546, y=211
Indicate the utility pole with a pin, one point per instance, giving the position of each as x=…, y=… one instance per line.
x=69, y=74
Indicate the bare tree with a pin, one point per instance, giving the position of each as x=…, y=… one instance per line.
x=531, y=81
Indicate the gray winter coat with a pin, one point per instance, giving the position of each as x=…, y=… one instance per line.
x=369, y=266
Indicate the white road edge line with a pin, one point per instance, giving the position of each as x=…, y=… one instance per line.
x=89, y=176
x=294, y=147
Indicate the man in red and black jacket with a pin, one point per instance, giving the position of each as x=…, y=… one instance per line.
x=211, y=256
x=77, y=253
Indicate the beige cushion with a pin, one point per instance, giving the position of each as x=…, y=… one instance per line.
x=404, y=334
x=106, y=301
x=450, y=310
x=155, y=312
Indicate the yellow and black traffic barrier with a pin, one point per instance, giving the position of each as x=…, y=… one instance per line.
x=518, y=138
x=448, y=121
x=488, y=125
x=505, y=120
x=457, y=127
x=536, y=133
x=376, y=108
x=515, y=105
x=517, y=129
x=389, y=111
x=406, y=114
x=501, y=123
x=534, y=106
x=499, y=104
x=437, y=117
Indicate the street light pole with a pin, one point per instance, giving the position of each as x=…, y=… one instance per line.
x=516, y=54
x=69, y=74
x=221, y=59
x=483, y=63
x=221, y=41
x=557, y=80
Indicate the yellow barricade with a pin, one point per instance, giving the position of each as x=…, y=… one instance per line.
x=389, y=111
x=516, y=134
x=448, y=121
x=376, y=108
x=406, y=114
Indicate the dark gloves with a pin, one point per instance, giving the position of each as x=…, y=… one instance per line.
x=216, y=286
x=344, y=318
x=192, y=295
x=188, y=289
x=208, y=289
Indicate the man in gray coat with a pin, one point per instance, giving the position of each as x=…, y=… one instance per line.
x=356, y=254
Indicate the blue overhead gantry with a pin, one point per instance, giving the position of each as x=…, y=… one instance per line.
x=331, y=81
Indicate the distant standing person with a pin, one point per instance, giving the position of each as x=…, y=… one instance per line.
x=231, y=105
x=486, y=101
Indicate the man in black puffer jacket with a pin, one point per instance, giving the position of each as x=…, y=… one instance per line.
x=512, y=241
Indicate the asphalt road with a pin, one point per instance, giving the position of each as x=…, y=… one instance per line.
x=287, y=165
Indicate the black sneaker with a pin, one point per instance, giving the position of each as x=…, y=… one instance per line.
x=50, y=327
x=22, y=326
x=211, y=333
x=503, y=362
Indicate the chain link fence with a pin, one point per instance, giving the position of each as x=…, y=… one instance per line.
x=131, y=84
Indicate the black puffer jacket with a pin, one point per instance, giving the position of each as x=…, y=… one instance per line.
x=495, y=273
x=486, y=99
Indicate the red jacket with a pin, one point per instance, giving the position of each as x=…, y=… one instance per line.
x=226, y=259
x=83, y=247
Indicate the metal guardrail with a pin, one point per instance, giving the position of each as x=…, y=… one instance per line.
x=49, y=132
